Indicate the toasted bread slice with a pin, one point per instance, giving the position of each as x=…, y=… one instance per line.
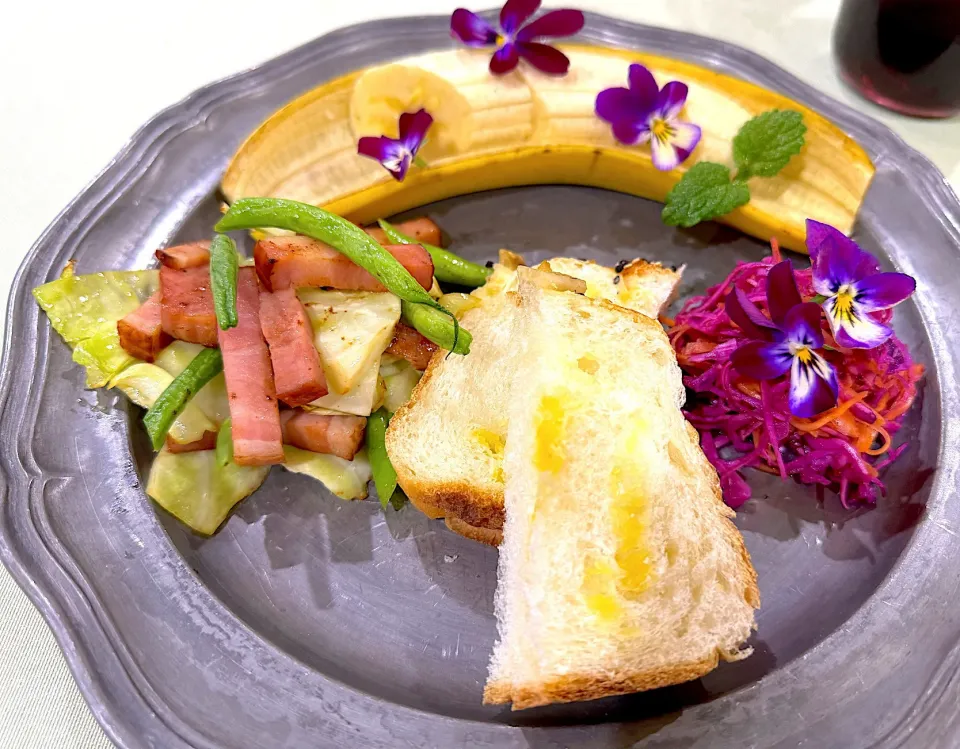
x=446, y=442
x=646, y=287
x=640, y=285
x=620, y=570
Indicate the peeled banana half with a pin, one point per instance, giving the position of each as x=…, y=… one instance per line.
x=529, y=128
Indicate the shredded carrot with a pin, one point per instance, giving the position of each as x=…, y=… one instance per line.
x=864, y=440
x=898, y=410
x=677, y=332
x=775, y=248
x=804, y=425
x=884, y=446
x=767, y=469
x=879, y=419
x=749, y=388
x=848, y=424
x=668, y=321
x=699, y=347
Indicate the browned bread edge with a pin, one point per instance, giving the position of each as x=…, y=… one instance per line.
x=594, y=686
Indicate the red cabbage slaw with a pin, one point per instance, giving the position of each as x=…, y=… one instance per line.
x=748, y=424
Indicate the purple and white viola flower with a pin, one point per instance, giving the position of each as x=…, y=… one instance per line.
x=514, y=40
x=397, y=154
x=786, y=343
x=645, y=112
x=850, y=281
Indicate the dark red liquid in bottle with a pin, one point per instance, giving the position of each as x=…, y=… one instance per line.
x=902, y=54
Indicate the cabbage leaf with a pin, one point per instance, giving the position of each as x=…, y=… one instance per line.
x=351, y=329
x=362, y=400
x=212, y=397
x=84, y=310
x=102, y=356
x=399, y=379
x=197, y=490
x=143, y=383
x=347, y=479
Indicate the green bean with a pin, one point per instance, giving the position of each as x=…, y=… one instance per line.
x=348, y=238
x=384, y=475
x=225, y=444
x=448, y=267
x=205, y=366
x=398, y=500
x=434, y=327
x=223, y=280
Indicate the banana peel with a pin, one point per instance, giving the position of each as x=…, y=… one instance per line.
x=527, y=128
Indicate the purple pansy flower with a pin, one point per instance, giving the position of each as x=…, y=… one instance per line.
x=645, y=112
x=853, y=286
x=785, y=343
x=396, y=154
x=514, y=40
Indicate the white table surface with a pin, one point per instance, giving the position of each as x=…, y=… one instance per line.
x=79, y=78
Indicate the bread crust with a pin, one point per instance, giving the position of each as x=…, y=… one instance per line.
x=434, y=513
x=745, y=569
x=473, y=504
x=489, y=536
x=594, y=686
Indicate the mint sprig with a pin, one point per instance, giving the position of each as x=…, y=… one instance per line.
x=704, y=192
x=765, y=144
x=761, y=148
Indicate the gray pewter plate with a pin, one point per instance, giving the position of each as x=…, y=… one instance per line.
x=312, y=622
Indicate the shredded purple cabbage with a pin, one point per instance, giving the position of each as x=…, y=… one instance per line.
x=744, y=424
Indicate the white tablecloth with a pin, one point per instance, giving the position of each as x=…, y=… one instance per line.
x=79, y=78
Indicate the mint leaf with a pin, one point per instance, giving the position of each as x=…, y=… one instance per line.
x=703, y=193
x=765, y=144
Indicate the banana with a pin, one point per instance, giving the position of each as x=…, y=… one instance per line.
x=528, y=128
x=473, y=111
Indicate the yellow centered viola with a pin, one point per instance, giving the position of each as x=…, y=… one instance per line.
x=661, y=130
x=787, y=342
x=645, y=112
x=843, y=303
x=801, y=352
x=852, y=287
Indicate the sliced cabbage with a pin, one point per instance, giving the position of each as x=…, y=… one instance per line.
x=351, y=330
x=361, y=401
x=79, y=306
x=399, y=379
x=175, y=357
x=143, y=383
x=459, y=303
x=102, y=356
x=212, y=397
x=347, y=479
x=84, y=310
x=197, y=490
